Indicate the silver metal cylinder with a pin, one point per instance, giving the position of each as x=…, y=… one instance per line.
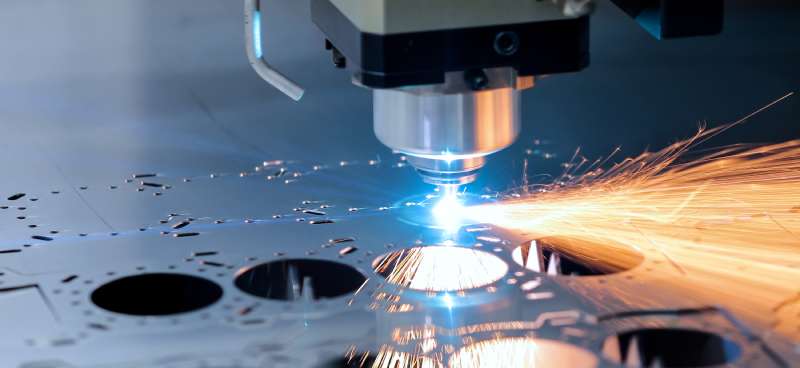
x=447, y=136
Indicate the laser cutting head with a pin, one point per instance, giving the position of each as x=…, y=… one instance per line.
x=448, y=130
x=446, y=75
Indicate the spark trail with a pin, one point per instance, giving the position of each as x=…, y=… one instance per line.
x=726, y=222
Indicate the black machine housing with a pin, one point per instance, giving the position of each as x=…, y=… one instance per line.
x=536, y=48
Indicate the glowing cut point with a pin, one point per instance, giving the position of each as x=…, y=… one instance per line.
x=448, y=211
x=448, y=300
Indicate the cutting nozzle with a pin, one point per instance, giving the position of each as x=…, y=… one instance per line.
x=447, y=171
x=447, y=137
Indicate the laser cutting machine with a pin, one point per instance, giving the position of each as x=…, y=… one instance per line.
x=446, y=75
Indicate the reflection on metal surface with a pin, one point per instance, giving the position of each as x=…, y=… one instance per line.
x=406, y=336
x=444, y=342
x=523, y=353
x=440, y=268
x=390, y=358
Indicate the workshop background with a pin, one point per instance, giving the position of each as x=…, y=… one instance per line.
x=114, y=83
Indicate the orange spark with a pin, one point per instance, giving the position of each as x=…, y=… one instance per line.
x=725, y=225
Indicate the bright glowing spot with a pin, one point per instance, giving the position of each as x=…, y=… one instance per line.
x=437, y=268
x=448, y=158
x=448, y=300
x=521, y=352
x=448, y=211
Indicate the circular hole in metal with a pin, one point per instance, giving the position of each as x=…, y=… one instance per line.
x=293, y=279
x=576, y=257
x=506, y=43
x=522, y=352
x=440, y=268
x=670, y=348
x=156, y=294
